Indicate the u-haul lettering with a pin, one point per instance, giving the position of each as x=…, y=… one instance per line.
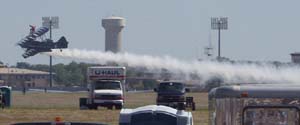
x=106, y=73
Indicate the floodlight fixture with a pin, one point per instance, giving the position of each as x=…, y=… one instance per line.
x=219, y=23
x=51, y=22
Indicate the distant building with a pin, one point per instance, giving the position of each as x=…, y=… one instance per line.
x=2, y=66
x=16, y=77
x=295, y=57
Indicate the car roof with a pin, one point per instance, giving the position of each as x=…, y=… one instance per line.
x=8, y=87
x=126, y=114
x=153, y=109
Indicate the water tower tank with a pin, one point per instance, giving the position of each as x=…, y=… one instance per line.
x=113, y=27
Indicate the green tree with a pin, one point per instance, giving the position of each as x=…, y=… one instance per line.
x=40, y=67
x=61, y=74
x=23, y=65
x=149, y=84
x=83, y=67
x=76, y=76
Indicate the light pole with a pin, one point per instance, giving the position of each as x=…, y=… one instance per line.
x=8, y=75
x=51, y=23
x=219, y=23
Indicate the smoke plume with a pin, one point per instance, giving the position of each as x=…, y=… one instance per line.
x=205, y=70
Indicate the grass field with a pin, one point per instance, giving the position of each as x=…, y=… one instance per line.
x=36, y=106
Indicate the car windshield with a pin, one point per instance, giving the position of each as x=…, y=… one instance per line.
x=171, y=86
x=107, y=85
x=271, y=116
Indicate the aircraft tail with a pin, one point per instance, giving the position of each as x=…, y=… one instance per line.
x=61, y=43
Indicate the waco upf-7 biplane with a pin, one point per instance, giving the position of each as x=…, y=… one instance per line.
x=34, y=43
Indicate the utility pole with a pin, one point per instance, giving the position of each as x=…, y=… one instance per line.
x=51, y=23
x=8, y=75
x=219, y=23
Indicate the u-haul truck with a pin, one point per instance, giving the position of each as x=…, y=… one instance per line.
x=105, y=88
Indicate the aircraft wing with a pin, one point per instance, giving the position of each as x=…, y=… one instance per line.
x=27, y=39
x=32, y=36
x=40, y=31
x=30, y=52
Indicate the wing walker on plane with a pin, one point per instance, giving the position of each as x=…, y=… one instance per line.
x=35, y=43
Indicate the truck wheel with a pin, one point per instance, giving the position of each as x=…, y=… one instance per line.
x=118, y=107
x=83, y=103
x=95, y=107
x=83, y=107
x=110, y=107
x=88, y=107
x=92, y=107
x=193, y=106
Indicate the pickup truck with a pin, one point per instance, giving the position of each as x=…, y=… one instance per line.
x=172, y=94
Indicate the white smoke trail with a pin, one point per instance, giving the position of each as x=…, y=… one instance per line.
x=231, y=73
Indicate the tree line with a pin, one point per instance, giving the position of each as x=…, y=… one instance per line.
x=75, y=74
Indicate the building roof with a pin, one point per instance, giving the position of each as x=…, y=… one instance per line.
x=2, y=65
x=20, y=71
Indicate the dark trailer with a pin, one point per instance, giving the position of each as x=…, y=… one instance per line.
x=255, y=105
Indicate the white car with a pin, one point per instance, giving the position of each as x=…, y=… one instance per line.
x=155, y=115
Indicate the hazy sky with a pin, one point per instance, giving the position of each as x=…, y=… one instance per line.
x=263, y=30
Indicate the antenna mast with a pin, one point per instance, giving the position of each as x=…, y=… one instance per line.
x=208, y=51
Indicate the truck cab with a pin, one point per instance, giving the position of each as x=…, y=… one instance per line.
x=170, y=93
x=108, y=93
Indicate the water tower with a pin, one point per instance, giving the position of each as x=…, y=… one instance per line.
x=113, y=27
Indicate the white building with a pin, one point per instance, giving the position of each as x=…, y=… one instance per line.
x=16, y=77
